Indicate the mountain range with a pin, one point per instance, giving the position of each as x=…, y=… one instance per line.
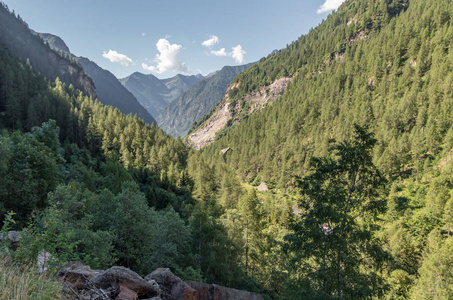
x=155, y=94
x=177, y=118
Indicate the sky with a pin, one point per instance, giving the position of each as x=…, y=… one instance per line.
x=167, y=37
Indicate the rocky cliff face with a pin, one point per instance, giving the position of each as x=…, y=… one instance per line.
x=229, y=112
x=65, y=68
x=80, y=282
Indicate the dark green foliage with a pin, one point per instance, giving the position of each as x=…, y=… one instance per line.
x=130, y=194
x=30, y=166
x=333, y=240
x=116, y=192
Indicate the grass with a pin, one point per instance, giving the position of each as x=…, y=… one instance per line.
x=23, y=281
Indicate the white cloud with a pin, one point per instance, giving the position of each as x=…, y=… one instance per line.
x=238, y=54
x=329, y=5
x=116, y=57
x=167, y=59
x=220, y=52
x=143, y=34
x=211, y=42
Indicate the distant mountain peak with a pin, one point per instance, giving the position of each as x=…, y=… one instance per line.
x=155, y=94
x=191, y=106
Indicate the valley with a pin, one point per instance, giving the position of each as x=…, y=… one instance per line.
x=320, y=171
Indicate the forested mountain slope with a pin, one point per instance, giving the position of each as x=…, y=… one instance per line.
x=155, y=94
x=108, y=89
x=191, y=106
x=382, y=63
x=16, y=37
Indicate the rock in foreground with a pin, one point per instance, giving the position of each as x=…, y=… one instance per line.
x=123, y=284
x=213, y=291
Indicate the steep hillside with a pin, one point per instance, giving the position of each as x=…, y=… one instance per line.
x=330, y=176
x=155, y=94
x=365, y=64
x=16, y=37
x=190, y=107
x=108, y=89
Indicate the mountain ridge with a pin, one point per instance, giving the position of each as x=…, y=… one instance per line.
x=108, y=88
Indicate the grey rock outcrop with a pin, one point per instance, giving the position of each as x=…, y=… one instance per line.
x=172, y=286
x=121, y=277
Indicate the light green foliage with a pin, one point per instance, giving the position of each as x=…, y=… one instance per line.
x=80, y=216
x=131, y=222
x=435, y=277
x=370, y=79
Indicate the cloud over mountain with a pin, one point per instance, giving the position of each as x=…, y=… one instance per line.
x=167, y=59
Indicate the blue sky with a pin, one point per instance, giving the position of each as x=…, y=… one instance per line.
x=166, y=37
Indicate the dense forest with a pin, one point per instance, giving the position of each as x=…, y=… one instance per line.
x=357, y=156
